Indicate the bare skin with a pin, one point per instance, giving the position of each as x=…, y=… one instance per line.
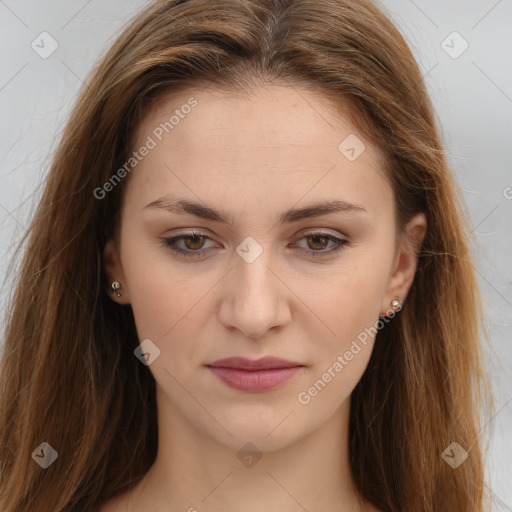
x=253, y=158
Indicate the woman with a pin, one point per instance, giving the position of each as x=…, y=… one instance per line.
x=247, y=285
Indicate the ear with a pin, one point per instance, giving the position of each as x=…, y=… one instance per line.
x=405, y=263
x=114, y=272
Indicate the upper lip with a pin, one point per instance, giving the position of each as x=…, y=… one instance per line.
x=243, y=363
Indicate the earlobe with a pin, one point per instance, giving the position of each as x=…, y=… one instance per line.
x=117, y=287
x=406, y=261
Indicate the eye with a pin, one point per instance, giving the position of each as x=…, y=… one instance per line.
x=194, y=242
x=318, y=240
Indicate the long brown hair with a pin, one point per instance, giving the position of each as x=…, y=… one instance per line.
x=69, y=376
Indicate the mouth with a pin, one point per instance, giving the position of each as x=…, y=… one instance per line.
x=254, y=375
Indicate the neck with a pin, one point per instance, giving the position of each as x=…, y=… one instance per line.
x=195, y=472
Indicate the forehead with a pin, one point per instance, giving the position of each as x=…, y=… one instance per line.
x=274, y=141
x=278, y=114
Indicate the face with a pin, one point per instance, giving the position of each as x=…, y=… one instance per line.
x=252, y=271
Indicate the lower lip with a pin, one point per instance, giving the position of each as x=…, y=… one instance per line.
x=254, y=380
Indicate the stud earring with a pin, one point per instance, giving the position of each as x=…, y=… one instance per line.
x=115, y=286
x=396, y=304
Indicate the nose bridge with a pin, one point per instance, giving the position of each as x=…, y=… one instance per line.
x=254, y=290
x=256, y=300
x=254, y=278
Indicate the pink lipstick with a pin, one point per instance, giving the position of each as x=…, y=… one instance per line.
x=254, y=375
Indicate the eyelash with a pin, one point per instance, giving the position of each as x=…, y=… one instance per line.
x=169, y=242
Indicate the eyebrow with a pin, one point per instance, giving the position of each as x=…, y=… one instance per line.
x=182, y=206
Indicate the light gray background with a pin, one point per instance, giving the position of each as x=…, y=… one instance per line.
x=472, y=95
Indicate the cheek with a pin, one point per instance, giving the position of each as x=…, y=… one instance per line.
x=162, y=296
x=351, y=298
x=352, y=313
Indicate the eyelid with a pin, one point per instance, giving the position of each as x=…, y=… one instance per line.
x=323, y=231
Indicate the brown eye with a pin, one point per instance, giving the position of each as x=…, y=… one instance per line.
x=317, y=244
x=193, y=244
x=196, y=244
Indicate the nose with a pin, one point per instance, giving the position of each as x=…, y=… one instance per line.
x=255, y=297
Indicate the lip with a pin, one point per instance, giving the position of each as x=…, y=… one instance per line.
x=254, y=375
x=264, y=363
